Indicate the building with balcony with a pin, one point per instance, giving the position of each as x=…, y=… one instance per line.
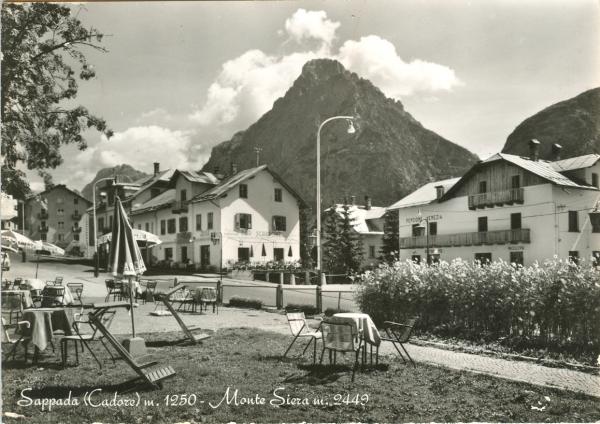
x=206, y=221
x=517, y=209
x=58, y=215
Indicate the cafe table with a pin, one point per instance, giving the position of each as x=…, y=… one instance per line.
x=367, y=331
x=44, y=322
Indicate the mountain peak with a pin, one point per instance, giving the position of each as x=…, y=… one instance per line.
x=322, y=68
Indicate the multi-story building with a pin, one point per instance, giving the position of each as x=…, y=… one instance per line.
x=58, y=215
x=251, y=215
x=517, y=209
x=9, y=210
x=367, y=221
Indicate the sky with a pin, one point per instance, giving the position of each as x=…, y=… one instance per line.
x=180, y=77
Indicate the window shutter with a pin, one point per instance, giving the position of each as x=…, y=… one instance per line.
x=284, y=225
x=274, y=223
x=237, y=221
x=249, y=221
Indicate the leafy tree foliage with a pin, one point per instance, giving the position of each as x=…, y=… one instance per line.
x=330, y=240
x=351, y=249
x=391, y=241
x=42, y=50
x=306, y=228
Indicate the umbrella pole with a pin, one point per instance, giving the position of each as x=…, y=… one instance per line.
x=131, y=304
x=37, y=265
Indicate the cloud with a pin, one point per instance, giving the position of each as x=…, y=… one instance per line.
x=140, y=147
x=311, y=25
x=247, y=86
x=376, y=59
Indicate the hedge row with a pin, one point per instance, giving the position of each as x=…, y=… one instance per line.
x=554, y=304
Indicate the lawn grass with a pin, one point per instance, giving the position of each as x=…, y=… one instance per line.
x=249, y=360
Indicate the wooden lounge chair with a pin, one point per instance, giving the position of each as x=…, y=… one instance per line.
x=399, y=334
x=300, y=328
x=187, y=330
x=152, y=376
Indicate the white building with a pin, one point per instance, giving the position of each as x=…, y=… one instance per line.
x=8, y=211
x=250, y=216
x=520, y=210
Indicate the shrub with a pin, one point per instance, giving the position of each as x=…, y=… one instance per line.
x=306, y=308
x=243, y=302
x=554, y=304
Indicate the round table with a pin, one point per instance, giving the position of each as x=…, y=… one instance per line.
x=367, y=329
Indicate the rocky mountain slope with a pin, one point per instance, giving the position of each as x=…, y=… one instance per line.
x=573, y=123
x=125, y=172
x=390, y=154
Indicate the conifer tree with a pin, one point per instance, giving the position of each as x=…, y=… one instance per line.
x=391, y=241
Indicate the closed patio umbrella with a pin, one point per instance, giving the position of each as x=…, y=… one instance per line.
x=125, y=256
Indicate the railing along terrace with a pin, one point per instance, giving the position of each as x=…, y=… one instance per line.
x=521, y=235
x=496, y=198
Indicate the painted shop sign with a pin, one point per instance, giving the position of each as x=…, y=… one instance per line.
x=417, y=219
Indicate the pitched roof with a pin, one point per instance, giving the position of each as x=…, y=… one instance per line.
x=578, y=162
x=163, y=200
x=362, y=219
x=196, y=177
x=34, y=196
x=424, y=195
x=231, y=182
x=164, y=176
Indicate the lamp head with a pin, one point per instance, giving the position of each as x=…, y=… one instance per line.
x=351, y=129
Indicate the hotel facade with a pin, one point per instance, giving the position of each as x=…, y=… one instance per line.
x=520, y=210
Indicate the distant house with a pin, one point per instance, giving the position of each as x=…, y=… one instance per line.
x=58, y=215
x=367, y=221
x=248, y=216
x=8, y=211
x=508, y=207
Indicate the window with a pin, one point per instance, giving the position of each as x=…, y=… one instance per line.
x=183, y=195
x=60, y=212
x=595, y=225
x=61, y=225
x=76, y=237
x=574, y=256
x=243, y=191
x=168, y=253
x=199, y=222
x=416, y=231
x=482, y=224
x=483, y=186
x=184, y=254
x=278, y=195
x=243, y=221
x=43, y=237
x=183, y=224
x=60, y=237
x=516, y=258
x=163, y=227
x=595, y=181
x=433, y=228
x=515, y=221
x=372, y=252
x=209, y=221
x=416, y=259
x=101, y=225
x=147, y=227
x=515, y=181
x=573, y=222
x=76, y=225
x=483, y=258
x=278, y=254
x=279, y=223
x=171, y=226
x=75, y=201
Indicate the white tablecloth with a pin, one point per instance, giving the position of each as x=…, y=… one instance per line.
x=366, y=327
x=34, y=283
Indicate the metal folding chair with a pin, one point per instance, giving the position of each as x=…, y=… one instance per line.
x=399, y=334
x=299, y=328
x=341, y=335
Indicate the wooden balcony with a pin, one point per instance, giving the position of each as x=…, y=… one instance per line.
x=76, y=229
x=179, y=207
x=43, y=229
x=496, y=198
x=521, y=235
x=76, y=216
x=42, y=215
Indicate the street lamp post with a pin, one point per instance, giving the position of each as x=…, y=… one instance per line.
x=96, y=258
x=351, y=130
x=425, y=227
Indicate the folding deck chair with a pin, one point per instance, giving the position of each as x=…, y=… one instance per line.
x=187, y=330
x=153, y=376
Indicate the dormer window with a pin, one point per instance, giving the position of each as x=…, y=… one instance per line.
x=439, y=192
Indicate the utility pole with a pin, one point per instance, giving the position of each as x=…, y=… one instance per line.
x=257, y=150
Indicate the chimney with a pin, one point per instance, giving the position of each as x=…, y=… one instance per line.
x=556, y=150
x=234, y=168
x=353, y=200
x=439, y=192
x=534, y=150
x=156, y=168
x=367, y=202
